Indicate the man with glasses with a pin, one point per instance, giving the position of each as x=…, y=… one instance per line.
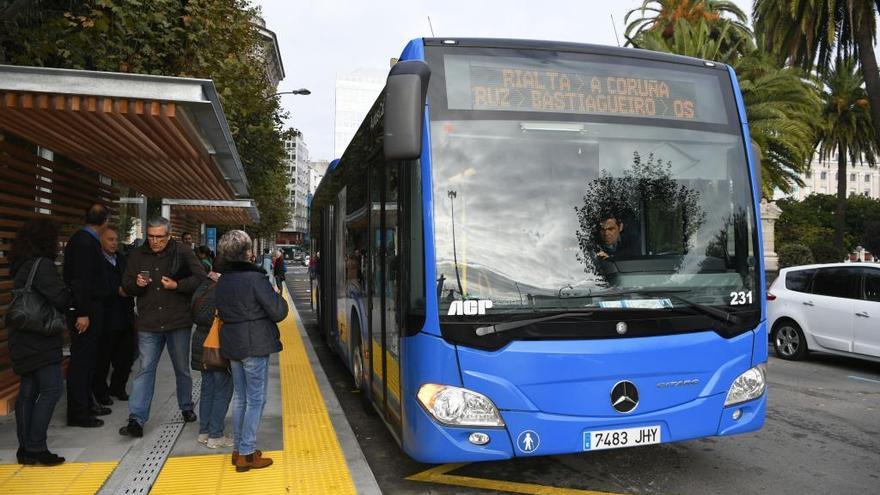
x=162, y=275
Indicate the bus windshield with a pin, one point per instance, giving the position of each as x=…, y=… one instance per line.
x=597, y=205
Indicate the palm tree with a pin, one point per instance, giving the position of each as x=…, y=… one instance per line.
x=809, y=32
x=846, y=129
x=698, y=39
x=664, y=17
x=781, y=107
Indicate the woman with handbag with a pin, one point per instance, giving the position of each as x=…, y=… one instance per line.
x=216, y=389
x=250, y=310
x=35, y=349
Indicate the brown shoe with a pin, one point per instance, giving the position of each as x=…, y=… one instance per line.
x=235, y=455
x=252, y=461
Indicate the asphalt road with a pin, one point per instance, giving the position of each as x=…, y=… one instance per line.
x=822, y=435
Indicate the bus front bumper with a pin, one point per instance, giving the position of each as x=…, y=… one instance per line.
x=531, y=433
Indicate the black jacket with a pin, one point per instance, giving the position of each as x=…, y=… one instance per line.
x=250, y=310
x=161, y=310
x=29, y=351
x=118, y=310
x=85, y=273
x=203, y=308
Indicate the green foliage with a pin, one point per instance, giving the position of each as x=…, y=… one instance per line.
x=811, y=221
x=871, y=238
x=827, y=252
x=794, y=255
x=781, y=107
x=212, y=39
x=717, y=23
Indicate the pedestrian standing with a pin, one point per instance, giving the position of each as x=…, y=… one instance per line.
x=162, y=275
x=85, y=274
x=267, y=262
x=36, y=358
x=117, y=341
x=250, y=310
x=279, y=269
x=216, y=391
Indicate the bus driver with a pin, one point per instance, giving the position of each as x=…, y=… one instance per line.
x=610, y=242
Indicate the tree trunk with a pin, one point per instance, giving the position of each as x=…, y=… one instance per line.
x=840, y=212
x=868, y=61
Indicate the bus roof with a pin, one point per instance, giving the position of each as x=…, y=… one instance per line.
x=565, y=46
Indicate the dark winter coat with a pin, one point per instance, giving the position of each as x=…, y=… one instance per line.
x=203, y=308
x=250, y=309
x=118, y=310
x=29, y=351
x=85, y=273
x=158, y=309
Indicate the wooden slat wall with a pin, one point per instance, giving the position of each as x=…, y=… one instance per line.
x=181, y=223
x=33, y=187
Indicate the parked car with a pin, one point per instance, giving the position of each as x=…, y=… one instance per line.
x=833, y=308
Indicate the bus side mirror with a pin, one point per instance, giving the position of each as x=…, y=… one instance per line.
x=405, y=94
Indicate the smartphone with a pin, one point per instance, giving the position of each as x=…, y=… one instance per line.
x=145, y=274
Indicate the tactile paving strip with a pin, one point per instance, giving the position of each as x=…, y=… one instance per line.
x=71, y=478
x=312, y=461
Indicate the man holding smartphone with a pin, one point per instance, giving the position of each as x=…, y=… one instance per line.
x=162, y=275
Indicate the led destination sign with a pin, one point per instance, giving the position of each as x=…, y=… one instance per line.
x=497, y=88
x=481, y=83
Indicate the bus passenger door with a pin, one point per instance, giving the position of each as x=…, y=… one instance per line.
x=384, y=290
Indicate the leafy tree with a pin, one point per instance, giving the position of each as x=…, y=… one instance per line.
x=701, y=39
x=871, y=238
x=845, y=129
x=794, y=255
x=212, y=39
x=809, y=33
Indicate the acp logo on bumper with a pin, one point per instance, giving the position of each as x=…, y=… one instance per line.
x=471, y=307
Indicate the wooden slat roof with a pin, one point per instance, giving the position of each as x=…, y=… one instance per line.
x=164, y=137
x=218, y=215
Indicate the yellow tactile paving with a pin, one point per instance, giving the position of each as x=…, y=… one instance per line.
x=312, y=460
x=73, y=478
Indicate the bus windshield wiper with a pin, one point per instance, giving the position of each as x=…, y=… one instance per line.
x=513, y=325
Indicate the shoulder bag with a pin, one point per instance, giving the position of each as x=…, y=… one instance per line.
x=211, y=348
x=31, y=312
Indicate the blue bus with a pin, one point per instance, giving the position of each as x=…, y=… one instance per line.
x=533, y=248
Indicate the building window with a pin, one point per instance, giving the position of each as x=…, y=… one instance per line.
x=823, y=175
x=852, y=192
x=852, y=177
x=809, y=174
x=867, y=177
x=867, y=192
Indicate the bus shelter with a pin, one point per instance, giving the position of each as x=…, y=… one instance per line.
x=70, y=138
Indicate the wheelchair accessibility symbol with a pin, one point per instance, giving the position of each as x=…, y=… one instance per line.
x=528, y=441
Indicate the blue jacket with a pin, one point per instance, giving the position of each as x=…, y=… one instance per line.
x=250, y=309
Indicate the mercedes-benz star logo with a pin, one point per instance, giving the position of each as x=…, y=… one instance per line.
x=624, y=397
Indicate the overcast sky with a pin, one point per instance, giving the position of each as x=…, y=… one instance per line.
x=320, y=38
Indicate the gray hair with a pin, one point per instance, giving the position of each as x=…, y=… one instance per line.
x=159, y=222
x=235, y=245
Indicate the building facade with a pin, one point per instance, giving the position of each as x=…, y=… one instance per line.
x=822, y=179
x=355, y=94
x=270, y=53
x=298, y=171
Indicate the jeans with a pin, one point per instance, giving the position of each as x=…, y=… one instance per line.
x=38, y=394
x=150, y=346
x=214, y=402
x=250, y=377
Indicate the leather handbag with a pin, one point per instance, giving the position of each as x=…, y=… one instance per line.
x=31, y=312
x=211, y=348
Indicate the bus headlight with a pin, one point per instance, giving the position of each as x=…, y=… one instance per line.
x=458, y=406
x=750, y=385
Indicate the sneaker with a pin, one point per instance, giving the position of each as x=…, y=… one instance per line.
x=216, y=443
x=203, y=438
x=132, y=429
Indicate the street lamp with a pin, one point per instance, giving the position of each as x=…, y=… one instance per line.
x=300, y=91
